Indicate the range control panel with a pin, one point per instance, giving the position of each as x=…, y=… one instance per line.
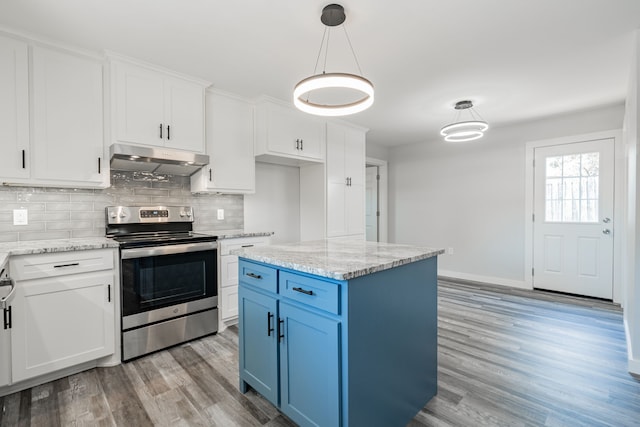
x=145, y=214
x=163, y=213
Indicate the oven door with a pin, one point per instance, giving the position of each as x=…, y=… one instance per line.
x=162, y=282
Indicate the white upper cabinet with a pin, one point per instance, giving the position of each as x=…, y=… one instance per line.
x=153, y=107
x=345, y=180
x=67, y=121
x=14, y=109
x=229, y=136
x=51, y=128
x=288, y=136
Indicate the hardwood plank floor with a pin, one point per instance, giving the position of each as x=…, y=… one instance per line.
x=506, y=357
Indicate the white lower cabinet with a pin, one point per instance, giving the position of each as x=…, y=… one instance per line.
x=62, y=311
x=5, y=331
x=228, y=271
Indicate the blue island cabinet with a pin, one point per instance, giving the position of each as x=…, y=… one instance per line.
x=326, y=352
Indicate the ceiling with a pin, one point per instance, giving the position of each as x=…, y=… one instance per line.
x=516, y=60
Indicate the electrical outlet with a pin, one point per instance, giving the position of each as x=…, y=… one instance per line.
x=450, y=251
x=220, y=214
x=20, y=217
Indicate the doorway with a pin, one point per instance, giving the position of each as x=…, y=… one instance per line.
x=376, y=200
x=571, y=210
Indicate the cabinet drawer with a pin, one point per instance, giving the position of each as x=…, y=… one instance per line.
x=313, y=292
x=27, y=267
x=258, y=275
x=228, y=245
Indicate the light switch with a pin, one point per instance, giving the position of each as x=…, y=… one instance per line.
x=20, y=217
x=220, y=213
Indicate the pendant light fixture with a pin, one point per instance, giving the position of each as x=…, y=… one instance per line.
x=461, y=131
x=357, y=92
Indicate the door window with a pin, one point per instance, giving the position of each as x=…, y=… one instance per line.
x=572, y=188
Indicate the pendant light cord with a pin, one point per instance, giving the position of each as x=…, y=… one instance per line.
x=326, y=36
x=353, y=52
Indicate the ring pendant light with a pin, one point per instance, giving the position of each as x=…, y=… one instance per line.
x=332, y=16
x=462, y=131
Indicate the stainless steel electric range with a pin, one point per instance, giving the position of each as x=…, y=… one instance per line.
x=168, y=277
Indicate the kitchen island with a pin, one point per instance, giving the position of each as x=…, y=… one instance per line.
x=340, y=333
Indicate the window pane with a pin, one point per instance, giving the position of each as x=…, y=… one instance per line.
x=590, y=164
x=572, y=188
x=589, y=211
x=554, y=166
x=571, y=165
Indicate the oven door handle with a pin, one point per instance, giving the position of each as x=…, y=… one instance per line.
x=167, y=250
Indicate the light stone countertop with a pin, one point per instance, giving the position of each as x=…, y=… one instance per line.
x=80, y=244
x=338, y=259
x=235, y=234
x=57, y=245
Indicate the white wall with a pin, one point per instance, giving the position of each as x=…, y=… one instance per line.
x=275, y=206
x=470, y=196
x=377, y=151
x=631, y=274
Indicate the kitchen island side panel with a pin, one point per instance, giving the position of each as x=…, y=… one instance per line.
x=392, y=342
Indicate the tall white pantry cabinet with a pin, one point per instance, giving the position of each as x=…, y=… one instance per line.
x=332, y=195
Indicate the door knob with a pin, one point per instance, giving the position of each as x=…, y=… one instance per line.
x=606, y=220
x=606, y=231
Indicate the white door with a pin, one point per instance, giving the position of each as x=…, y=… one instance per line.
x=573, y=218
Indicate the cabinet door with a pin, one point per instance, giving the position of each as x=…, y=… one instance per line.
x=336, y=181
x=60, y=322
x=289, y=132
x=68, y=118
x=228, y=304
x=355, y=159
x=139, y=104
x=184, y=115
x=5, y=340
x=309, y=367
x=258, y=345
x=229, y=135
x=345, y=181
x=14, y=109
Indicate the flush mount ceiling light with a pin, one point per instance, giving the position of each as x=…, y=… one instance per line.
x=355, y=92
x=461, y=131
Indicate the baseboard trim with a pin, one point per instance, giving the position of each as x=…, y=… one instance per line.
x=520, y=284
x=633, y=365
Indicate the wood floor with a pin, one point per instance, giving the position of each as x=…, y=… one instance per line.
x=506, y=358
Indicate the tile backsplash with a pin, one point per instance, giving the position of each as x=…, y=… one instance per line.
x=62, y=213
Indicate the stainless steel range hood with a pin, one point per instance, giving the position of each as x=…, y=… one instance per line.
x=156, y=159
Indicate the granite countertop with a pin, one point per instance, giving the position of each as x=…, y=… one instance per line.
x=235, y=234
x=46, y=246
x=86, y=243
x=338, y=259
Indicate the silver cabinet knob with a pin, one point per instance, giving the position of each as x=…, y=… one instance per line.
x=606, y=231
